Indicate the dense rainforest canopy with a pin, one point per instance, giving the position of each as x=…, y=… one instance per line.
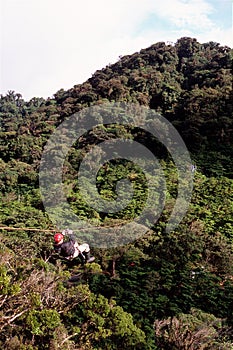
x=164, y=290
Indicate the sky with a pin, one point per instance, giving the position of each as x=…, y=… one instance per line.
x=48, y=45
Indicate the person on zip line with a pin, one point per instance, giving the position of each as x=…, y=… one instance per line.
x=70, y=248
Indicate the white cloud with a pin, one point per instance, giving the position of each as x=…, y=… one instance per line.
x=183, y=14
x=53, y=44
x=219, y=35
x=191, y=18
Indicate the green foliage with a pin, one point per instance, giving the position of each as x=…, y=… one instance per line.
x=108, y=325
x=6, y=286
x=42, y=322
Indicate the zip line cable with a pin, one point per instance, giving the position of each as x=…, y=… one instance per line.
x=26, y=229
x=8, y=228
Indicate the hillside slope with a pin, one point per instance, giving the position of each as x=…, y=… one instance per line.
x=162, y=291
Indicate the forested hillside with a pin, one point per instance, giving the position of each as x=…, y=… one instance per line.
x=164, y=290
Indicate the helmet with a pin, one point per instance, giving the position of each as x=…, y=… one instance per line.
x=58, y=237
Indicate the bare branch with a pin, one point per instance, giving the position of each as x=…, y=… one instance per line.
x=14, y=317
x=67, y=338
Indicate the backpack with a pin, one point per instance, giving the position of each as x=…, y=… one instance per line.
x=67, y=249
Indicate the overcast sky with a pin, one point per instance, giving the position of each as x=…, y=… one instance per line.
x=47, y=45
